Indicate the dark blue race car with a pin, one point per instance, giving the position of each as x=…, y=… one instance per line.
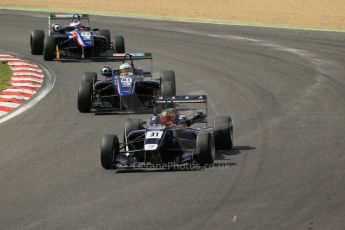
x=126, y=89
x=75, y=40
x=169, y=138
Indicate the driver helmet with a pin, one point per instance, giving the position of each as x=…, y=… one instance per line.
x=167, y=117
x=126, y=69
x=75, y=23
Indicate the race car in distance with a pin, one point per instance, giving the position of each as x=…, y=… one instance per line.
x=168, y=138
x=125, y=89
x=76, y=40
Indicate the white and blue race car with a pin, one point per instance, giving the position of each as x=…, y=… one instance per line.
x=75, y=40
x=124, y=93
x=169, y=138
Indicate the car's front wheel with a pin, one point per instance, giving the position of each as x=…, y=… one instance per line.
x=84, y=97
x=131, y=124
x=109, y=150
x=89, y=77
x=204, y=148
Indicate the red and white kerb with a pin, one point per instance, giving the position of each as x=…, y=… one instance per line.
x=26, y=81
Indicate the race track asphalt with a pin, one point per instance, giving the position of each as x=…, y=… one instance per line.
x=285, y=90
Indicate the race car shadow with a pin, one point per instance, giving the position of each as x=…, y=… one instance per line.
x=120, y=171
x=221, y=155
x=223, y=164
x=75, y=60
x=236, y=150
x=114, y=112
x=188, y=168
x=87, y=60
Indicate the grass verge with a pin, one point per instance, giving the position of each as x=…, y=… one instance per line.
x=5, y=75
x=327, y=14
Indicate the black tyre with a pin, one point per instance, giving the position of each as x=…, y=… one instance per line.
x=37, y=42
x=89, y=77
x=49, y=48
x=109, y=150
x=204, y=148
x=223, y=132
x=106, y=34
x=131, y=124
x=119, y=44
x=84, y=97
x=168, y=83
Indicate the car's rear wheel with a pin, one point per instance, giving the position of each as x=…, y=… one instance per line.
x=109, y=149
x=49, y=48
x=223, y=132
x=84, y=97
x=119, y=44
x=204, y=148
x=37, y=42
x=168, y=83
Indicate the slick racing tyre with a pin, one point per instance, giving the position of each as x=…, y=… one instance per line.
x=204, y=148
x=90, y=77
x=168, y=83
x=131, y=124
x=49, y=48
x=119, y=44
x=223, y=132
x=106, y=34
x=109, y=150
x=84, y=97
x=37, y=42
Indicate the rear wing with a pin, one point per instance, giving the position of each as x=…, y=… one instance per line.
x=68, y=16
x=111, y=56
x=181, y=99
x=58, y=16
x=132, y=56
x=164, y=102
